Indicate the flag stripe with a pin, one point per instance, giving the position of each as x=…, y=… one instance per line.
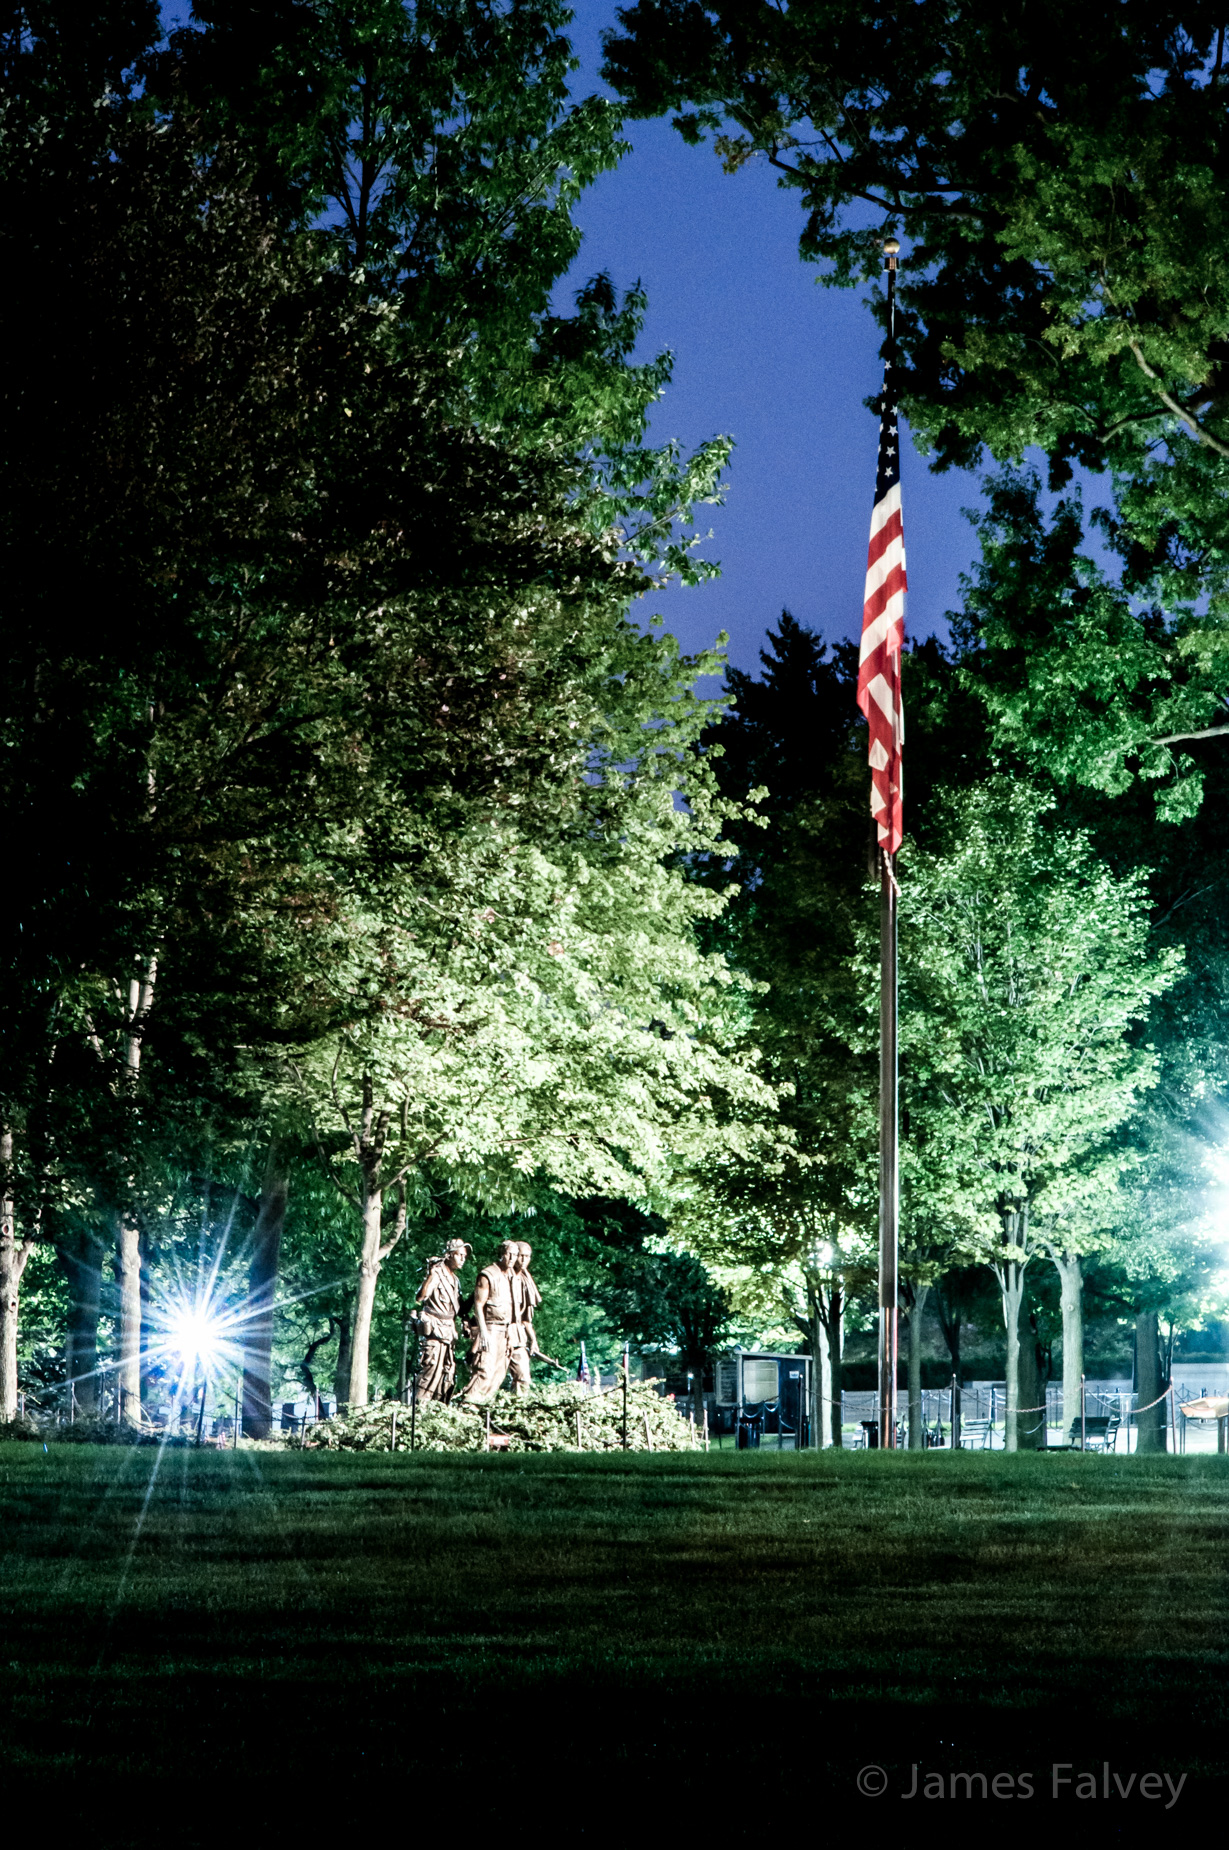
x=883, y=629
x=878, y=597
x=882, y=537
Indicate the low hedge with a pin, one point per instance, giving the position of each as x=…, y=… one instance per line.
x=541, y=1421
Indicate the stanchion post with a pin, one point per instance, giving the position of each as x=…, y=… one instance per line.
x=955, y=1419
x=626, y=1371
x=1083, y=1415
x=234, y=1442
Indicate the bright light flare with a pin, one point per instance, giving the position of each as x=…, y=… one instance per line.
x=195, y=1335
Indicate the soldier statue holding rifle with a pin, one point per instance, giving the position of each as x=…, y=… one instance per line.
x=435, y=1319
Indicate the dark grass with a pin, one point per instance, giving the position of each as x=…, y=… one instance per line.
x=242, y=1634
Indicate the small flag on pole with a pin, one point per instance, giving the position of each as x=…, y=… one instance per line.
x=883, y=624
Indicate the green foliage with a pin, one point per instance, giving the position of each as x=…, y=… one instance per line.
x=1025, y=966
x=667, y=1300
x=112, y=1432
x=1081, y=682
x=437, y=144
x=1060, y=174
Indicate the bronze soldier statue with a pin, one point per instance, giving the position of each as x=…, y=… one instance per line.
x=526, y=1297
x=438, y=1302
x=494, y=1317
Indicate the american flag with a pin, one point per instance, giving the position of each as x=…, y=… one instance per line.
x=883, y=627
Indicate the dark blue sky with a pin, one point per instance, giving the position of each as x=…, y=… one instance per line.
x=764, y=353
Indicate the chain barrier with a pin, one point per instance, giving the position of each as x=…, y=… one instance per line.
x=828, y=1400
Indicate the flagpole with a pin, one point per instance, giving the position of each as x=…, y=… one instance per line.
x=889, y=1166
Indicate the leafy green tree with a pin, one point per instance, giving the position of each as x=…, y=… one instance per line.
x=438, y=144
x=278, y=531
x=1084, y=683
x=519, y=1005
x=320, y=598
x=1026, y=965
x=658, y=1298
x=1060, y=174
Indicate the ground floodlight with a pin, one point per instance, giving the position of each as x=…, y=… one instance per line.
x=195, y=1334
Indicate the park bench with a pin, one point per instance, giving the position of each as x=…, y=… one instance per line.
x=1100, y=1432
x=976, y=1435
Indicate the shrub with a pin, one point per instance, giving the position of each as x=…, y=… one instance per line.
x=542, y=1421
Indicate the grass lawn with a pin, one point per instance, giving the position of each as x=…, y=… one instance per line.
x=232, y=1628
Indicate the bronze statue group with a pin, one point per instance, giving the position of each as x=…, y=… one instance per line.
x=499, y=1330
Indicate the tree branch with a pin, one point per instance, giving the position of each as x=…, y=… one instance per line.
x=1177, y=738
x=1178, y=410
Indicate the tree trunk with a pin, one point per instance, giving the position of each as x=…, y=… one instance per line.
x=1071, y=1287
x=10, y=1280
x=1011, y=1284
x=262, y=1289
x=365, y=1297
x=916, y=1312
x=836, y=1346
x=950, y=1320
x=1030, y=1424
x=147, y=1331
x=821, y=1380
x=83, y=1269
x=1150, y=1425
x=128, y=1239
x=128, y=1273
x=13, y=1256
